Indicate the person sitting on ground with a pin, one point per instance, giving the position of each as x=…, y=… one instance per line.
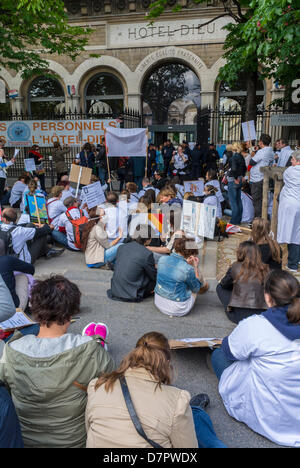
x=168, y=195
x=212, y=179
x=33, y=188
x=241, y=290
x=17, y=285
x=7, y=308
x=68, y=191
x=65, y=233
x=134, y=270
x=18, y=189
x=146, y=186
x=247, y=202
x=111, y=209
x=178, y=186
x=98, y=251
x=259, y=367
x=178, y=280
x=270, y=250
x=48, y=390
x=35, y=236
x=210, y=198
x=132, y=189
x=55, y=206
x=159, y=180
x=167, y=414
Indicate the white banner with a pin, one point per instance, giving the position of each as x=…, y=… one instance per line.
x=45, y=132
x=126, y=142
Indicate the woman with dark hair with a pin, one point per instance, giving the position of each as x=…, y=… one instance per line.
x=164, y=411
x=178, y=280
x=98, y=250
x=35, y=154
x=259, y=364
x=270, y=251
x=241, y=290
x=86, y=157
x=48, y=374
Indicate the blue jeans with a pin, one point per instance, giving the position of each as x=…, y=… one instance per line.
x=102, y=174
x=235, y=200
x=205, y=433
x=293, y=256
x=61, y=238
x=220, y=362
x=109, y=256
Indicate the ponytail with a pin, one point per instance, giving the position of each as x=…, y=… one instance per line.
x=284, y=290
x=293, y=313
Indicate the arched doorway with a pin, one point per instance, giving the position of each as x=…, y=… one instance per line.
x=45, y=97
x=170, y=97
x=104, y=95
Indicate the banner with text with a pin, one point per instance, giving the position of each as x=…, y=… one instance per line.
x=46, y=132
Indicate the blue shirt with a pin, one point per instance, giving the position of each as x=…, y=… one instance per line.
x=176, y=279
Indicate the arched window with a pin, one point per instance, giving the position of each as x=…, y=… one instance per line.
x=104, y=94
x=46, y=96
x=165, y=87
x=235, y=96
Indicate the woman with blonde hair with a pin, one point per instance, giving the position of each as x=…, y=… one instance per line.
x=141, y=388
x=270, y=250
x=168, y=195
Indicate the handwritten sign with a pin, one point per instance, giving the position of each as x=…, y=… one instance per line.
x=196, y=187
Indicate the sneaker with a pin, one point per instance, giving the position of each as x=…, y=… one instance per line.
x=89, y=330
x=102, y=330
x=202, y=400
x=54, y=253
x=291, y=270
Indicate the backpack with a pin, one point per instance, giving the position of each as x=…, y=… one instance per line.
x=6, y=236
x=78, y=227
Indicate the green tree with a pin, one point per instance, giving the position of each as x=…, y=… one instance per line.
x=30, y=28
x=262, y=41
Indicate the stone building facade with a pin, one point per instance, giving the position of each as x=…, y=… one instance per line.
x=130, y=53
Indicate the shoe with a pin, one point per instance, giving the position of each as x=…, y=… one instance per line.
x=111, y=266
x=102, y=330
x=204, y=288
x=291, y=270
x=104, y=267
x=89, y=330
x=54, y=253
x=202, y=400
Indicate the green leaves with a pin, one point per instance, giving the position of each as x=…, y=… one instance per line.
x=30, y=27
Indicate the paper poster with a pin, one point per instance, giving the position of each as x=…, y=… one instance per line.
x=16, y=153
x=19, y=319
x=249, y=132
x=93, y=195
x=37, y=209
x=198, y=219
x=126, y=142
x=194, y=186
x=29, y=165
x=195, y=343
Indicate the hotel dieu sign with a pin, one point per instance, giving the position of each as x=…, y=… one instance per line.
x=166, y=33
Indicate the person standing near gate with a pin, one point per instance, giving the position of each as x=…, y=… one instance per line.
x=262, y=158
x=59, y=159
x=3, y=165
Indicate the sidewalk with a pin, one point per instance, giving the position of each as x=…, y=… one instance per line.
x=127, y=322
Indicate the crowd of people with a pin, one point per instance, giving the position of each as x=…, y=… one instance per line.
x=60, y=389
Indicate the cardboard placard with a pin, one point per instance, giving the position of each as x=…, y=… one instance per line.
x=196, y=187
x=80, y=175
x=184, y=343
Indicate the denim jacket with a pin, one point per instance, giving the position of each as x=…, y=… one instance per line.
x=176, y=279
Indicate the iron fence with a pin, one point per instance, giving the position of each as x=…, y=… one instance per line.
x=129, y=118
x=224, y=126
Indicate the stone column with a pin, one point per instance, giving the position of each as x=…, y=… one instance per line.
x=16, y=105
x=134, y=101
x=73, y=103
x=207, y=98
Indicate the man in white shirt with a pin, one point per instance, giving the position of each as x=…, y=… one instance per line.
x=36, y=238
x=262, y=158
x=285, y=153
x=147, y=186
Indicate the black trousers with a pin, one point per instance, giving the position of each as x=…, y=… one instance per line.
x=257, y=195
x=235, y=314
x=2, y=186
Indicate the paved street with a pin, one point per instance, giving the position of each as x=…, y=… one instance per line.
x=127, y=322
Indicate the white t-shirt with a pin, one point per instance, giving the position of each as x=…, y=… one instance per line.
x=263, y=158
x=262, y=388
x=284, y=156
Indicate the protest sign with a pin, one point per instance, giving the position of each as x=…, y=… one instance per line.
x=29, y=165
x=80, y=175
x=126, y=142
x=184, y=343
x=249, y=132
x=196, y=187
x=21, y=133
x=198, y=219
x=93, y=194
x=37, y=209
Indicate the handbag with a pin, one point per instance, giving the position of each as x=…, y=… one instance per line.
x=133, y=415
